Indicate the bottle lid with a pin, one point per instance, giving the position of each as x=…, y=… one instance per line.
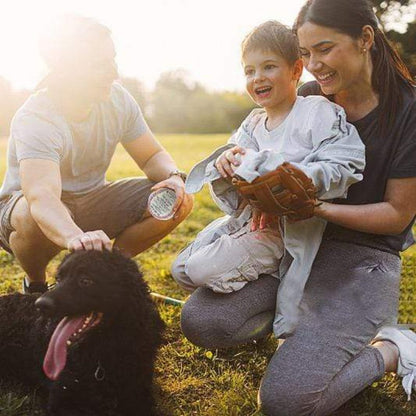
x=161, y=203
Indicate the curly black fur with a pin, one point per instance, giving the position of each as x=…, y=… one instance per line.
x=109, y=372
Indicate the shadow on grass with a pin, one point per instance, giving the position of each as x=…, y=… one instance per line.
x=384, y=398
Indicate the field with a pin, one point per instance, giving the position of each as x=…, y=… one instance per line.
x=192, y=380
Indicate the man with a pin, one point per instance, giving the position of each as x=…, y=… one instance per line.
x=54, y=194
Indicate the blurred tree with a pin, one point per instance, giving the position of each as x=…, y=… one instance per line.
x=406, y=45
x=169, y=105
x=398, y=19
x=137, y=90
x=236, y=106
x=392, y=9
x=6, y=98
x=10, y=101
x=179, y=105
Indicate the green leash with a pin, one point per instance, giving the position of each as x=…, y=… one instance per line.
x=166, y=299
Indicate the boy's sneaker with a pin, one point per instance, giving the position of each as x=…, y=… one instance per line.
x=33, y=287
x=405, y=341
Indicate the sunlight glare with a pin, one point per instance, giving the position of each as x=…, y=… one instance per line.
x=150, y=37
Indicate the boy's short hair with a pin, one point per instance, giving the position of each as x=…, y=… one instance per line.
x=275, y=37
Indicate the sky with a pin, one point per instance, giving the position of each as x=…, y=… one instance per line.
x=200, y=36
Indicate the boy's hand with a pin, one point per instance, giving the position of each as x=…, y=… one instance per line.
x=227, y=160
x=261, y=220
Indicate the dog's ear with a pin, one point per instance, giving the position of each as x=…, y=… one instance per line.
x=65, y=262
x=128, y=271
x=137, y=302
x=137, y=289
x=122, y=263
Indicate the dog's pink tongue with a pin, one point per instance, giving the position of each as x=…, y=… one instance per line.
x=55, y=358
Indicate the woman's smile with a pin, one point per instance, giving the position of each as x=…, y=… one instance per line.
x=326, y=77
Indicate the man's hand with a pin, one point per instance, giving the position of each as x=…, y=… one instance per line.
x=261, y=220
x=227, y=160
x=91, y=240
x=175, y=183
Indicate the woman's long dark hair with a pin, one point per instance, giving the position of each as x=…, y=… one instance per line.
x=390, y=74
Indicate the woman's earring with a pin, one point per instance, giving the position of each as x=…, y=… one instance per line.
x=364, y=50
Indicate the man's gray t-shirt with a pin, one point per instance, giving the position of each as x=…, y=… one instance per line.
x=83, y=150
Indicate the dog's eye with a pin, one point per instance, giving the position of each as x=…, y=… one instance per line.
x=85, y=281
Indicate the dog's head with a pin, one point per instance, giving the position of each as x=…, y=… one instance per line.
x=92, y=289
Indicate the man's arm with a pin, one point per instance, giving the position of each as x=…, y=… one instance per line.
x=391, y=216
x=151, y=157
x=157, y=164
x=41, y=185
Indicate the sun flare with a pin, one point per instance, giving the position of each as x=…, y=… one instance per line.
x=150, y=37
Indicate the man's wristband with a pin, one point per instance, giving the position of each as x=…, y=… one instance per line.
x=179, y=173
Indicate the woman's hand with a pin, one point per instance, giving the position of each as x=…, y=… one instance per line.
x=175, y=183
x=389, y=217
x=320, y=208
x=261, y=220
x=228, y=161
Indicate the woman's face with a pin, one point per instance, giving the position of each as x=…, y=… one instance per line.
x=335, y=59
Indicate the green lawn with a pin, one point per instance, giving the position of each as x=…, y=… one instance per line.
x=192, y=380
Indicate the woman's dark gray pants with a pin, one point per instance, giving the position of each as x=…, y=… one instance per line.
x=352, y=291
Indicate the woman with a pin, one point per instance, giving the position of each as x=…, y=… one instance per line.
x=353, y=287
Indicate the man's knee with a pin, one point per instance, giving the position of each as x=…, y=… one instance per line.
x=26, y=229
x=22, y=221
x=185, y=208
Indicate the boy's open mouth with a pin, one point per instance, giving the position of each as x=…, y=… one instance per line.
x=262, y=91
x=69, y=331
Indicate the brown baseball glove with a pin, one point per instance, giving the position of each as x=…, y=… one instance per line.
x=286, y=191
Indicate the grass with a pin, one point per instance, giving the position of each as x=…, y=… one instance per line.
x=192, y=380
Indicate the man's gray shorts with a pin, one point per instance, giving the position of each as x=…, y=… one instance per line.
x=111, y=208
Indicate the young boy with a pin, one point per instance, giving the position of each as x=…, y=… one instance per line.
x=311, y=133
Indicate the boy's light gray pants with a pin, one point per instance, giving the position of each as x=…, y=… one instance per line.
x=352, y=291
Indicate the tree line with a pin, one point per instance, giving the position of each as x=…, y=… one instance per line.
x=176, y=104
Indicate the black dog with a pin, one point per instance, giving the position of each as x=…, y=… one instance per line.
x=96, y=337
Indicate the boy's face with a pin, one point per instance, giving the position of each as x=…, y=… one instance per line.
x=270, y=80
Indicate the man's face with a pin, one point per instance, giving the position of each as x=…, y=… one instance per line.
x=92, y=76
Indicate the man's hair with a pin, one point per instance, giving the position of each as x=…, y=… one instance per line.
x=67, y=36
x=275, y=37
